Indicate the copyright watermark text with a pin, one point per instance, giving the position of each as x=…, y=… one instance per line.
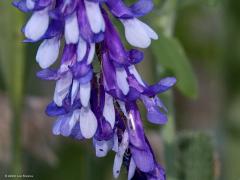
x=18, y=176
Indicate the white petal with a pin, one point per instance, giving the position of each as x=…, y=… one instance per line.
x=69, y=123
x=88, y=123
x=121, y=76
x=117, y=165
x=63, y=68
x=75, y=88
x=30, y=4
x=91, y=53
x=71, y=29
x=151, y=33
x=131, y=169
x=108, y=110
x=85, y=91
x=115, y=142
x=124, y=144
x=103, y=25
x=37, y=25
x=119, y=156
x=123, y=108
x=135, y=33
x=102, y=147
x=133, y=71
x=57, y=126
x=62, y=88
x=48, y=52
x=94, y=16
x=74, y=118
x=81, y=49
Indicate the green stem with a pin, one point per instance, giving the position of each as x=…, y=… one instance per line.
x=16, y=143
x=12, y=58
x=167, y=19
x=167, y=23
x=169, y=137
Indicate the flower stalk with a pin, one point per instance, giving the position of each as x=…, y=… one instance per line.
x=12, y=56
x=166, y=22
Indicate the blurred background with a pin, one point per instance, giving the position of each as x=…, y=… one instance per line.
x=199, y=43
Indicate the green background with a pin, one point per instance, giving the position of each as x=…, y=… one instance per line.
x=199, y=44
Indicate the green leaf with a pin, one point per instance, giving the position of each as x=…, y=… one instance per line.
x=170, y=56
x=195, y=156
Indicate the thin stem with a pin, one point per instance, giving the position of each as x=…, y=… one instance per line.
x=12, y=62
x=167, y=23
x=16, y=143
x=168, y=17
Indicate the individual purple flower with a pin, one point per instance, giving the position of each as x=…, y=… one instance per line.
x=99, y=103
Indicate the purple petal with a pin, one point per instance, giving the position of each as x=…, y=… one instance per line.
x=135, y=128
x=85, y=79
x=80, y=69
x=55, y=29
x=65, y=128
x=63, y=9
x=156, y=117
x=97, y=98
x=157, y=174
x=53, y=110
x=119, y=9
x=97, y=1
x=156, y=114
x=38, y=5
x=84, y=26
x=113, y=43
x=76, y=132
x=108, y=68
x=135, y=56
x=69, y=54
x=141, y=7
x=143, y=159
x=21, y=5
x=104, y=130
x=135, y=84
x=48, y=74
x=162, y=86
x=133, y=95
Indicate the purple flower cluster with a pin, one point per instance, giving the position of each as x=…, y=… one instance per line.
x=99, y=104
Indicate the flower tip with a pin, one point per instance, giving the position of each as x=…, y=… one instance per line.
x=174, y=80
x=15, y=4
x=156, y=37
x=157, y=117
x=47, y=74
x=27, y=40
x=168, y=81
x=152, y=34
x=88, y=123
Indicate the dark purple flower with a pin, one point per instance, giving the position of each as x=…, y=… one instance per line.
x=99, y=103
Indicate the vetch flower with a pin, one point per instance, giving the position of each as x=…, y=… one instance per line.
x=99, y=103
x=137, y=33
